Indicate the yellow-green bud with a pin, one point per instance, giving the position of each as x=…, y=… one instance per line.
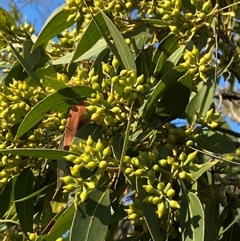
x=84, y=195
x=107, y=152
x=174, y=204
x=170, y=193
x=103, y=164
x=161, y=186
x=191, y=157
x=149, y=188
x=91, y=165
x=206, y=6
x=89, y=141
x=161, y=209
x=70, y=157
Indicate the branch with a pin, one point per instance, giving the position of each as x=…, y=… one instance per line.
x=227, y=131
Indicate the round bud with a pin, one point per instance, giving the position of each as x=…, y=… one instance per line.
x=170, y=193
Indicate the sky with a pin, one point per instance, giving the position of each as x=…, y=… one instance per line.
x=37, y=11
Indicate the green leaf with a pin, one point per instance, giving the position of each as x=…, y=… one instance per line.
x=148, y=212
x=83, y=133
x=117, y=146
x=55, y=24
x=231, y=230
x=6, y=22
x=123, y=52
x=212, y=222
x=202, y=101
x=55, y=84
x=34, y=194
x=215, y=142
x=5, y=197
x=32, y=58
x=38, y=153
x=191, y=218
x=89, y=55
x=23, y=188
x=58, y=101
x=97, y=64
x=91, y=218
x=155, y=22
x=174, y=102
x=90, y=37
x=143, y=61
x=62, y=224
x=172, y=60
x=204, y=168
x=26, y=66
x=157, y=92
x=122, y=48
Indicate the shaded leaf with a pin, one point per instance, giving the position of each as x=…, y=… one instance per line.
x=5, y=197
x=24, y=187
x=191, y=218
x=157, y=92
x=33, y=194
x=32, y=58
x=55, y=24
x=215, y=142
x=174, y=102
x=212, y=222
x=97, y=64
x=148, y=212
x=91, y=218
x=89, y=129
x=117, y=146
x=59, y=101
x=62, y=223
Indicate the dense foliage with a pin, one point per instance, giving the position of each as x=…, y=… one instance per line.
x=90, y=144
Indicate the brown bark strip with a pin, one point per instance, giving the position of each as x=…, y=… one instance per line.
x=74, y=122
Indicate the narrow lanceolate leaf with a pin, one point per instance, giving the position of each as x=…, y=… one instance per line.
x=61, y=225
x=204, y=168
x=34, y=194
x=38, y=153
x=122, y=48
x=91, y=218
x=161, y=87
x=89, y=55
x=23, y=188
x=148, y=212
x=5, y=197
x=215, y=142
x=59, y=101
x=26, y=66
x=89, y=38
x=212, y=222
x=55, y=24
x=32, y=58
x=192, y=218
x=202, y=101
x=174, y=102
x=83, y=133
x=172, y=60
